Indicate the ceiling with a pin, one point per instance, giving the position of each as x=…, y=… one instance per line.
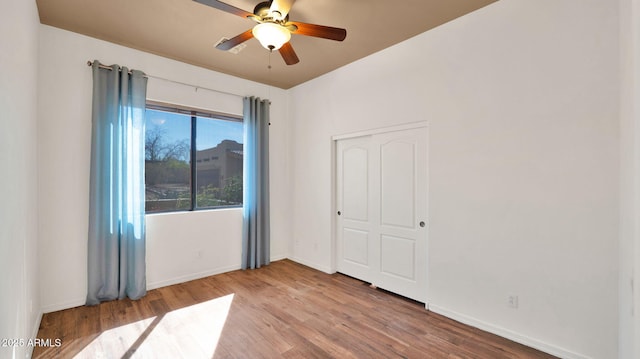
x=187, y=31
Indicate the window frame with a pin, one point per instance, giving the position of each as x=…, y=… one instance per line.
x=193, y=113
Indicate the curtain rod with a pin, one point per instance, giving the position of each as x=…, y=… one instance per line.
x=90, y=63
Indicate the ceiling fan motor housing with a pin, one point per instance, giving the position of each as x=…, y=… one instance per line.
x=262, y=9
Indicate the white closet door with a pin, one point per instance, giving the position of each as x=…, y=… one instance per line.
x=382, y=200
x=356, y=227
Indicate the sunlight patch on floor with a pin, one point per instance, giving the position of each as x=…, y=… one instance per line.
x=190, y=332
x=114, y=343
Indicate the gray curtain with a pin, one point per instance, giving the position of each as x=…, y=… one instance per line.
x=116, y=256
x=255, y=226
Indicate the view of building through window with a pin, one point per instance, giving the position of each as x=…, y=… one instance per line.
x=216, y=173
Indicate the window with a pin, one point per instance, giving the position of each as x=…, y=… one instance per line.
x=193, y=159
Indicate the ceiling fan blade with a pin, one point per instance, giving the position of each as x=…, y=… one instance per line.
x=235, y=41
x=226, y=8
x=289, y=56
x=282, y=6
x=325, y=32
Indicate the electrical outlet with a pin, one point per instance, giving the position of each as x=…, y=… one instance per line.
x=512, y=301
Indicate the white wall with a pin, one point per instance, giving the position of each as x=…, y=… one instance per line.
x=173, y=240
x=19, y=298
x=629, y=337
x=522, y=103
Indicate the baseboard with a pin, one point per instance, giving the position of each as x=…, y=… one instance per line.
x=34, y=333
x=63, y=306
x=194, y=276
x=319, y=267
x=190, y=277
x=505, y=333
x=157, y=284
x=278, y=257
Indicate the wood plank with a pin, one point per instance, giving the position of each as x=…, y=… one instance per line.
x=284, y=310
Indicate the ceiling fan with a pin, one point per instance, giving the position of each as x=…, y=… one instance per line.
x=274, y=28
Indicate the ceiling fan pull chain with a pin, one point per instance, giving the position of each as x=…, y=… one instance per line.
x=269, y=76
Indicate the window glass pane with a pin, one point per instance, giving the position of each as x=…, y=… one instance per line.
x=167, y=161
x=219, y=154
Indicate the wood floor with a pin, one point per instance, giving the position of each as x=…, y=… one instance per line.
x=284, y=310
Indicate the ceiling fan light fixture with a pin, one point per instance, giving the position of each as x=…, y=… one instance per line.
x=271, y=36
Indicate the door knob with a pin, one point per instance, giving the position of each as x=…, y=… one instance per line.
x=422, y=224
x=339, y=213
